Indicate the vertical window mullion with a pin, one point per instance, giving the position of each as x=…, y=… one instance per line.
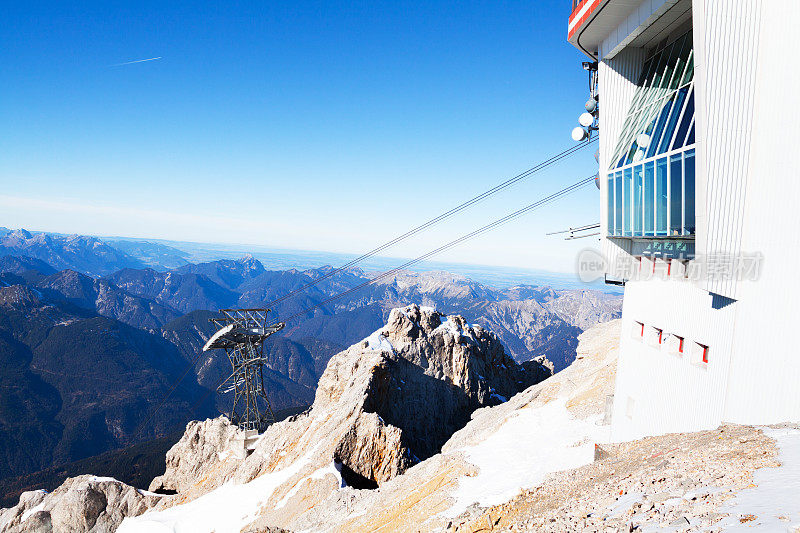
x=636, y=205
x=675, y=194
x=627, y=201
x=669, y=196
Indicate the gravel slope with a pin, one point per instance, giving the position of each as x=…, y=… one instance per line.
x=676, y=482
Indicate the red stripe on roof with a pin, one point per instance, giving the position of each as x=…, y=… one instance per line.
x=583, y=18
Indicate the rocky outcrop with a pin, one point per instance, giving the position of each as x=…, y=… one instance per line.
x=382, y=406
x=83, y=503
x=431, y=372
x=202, y=446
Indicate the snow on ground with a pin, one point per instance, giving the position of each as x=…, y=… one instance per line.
x=30, y=512
x=101, y=479
x=457, y=331
x=377, y=341
x=532, y=443
x=333, y=468
x=775, y=500
x=228, y=508
x=423, y=308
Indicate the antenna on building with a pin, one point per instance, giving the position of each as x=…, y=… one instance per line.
x=588, y=120
x=241, y=334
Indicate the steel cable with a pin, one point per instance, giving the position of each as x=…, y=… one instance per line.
x=504, y=185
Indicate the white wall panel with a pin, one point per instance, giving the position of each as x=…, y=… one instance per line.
x=726, y=36
x=670, y=392
x=764, y=384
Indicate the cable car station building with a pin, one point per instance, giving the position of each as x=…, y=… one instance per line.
x=699, y=107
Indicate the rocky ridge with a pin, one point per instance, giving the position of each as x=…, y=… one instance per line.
x=83, y=503
x=301, y=480
x=402, y=413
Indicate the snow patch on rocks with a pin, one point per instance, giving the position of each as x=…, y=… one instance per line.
x=774, y=501
x=550, y=433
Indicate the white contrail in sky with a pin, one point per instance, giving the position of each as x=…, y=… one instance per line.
x=136, y=61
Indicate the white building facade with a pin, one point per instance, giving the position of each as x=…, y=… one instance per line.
x=700, y=196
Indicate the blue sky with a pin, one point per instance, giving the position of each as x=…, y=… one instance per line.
x=309, y=125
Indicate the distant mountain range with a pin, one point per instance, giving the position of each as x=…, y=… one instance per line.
x=77, y=252
x=160, y=254
x=93, y=335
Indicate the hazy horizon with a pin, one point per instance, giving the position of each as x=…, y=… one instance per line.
x=277, y=258
x=306, y=126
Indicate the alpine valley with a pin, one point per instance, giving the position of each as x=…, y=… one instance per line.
x=94, y=334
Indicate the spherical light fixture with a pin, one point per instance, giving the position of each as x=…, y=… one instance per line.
x=579, y=134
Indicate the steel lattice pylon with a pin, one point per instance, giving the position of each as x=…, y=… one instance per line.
x=241, y=334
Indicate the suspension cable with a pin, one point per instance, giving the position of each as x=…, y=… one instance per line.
x=497, y=188
x=535, y=205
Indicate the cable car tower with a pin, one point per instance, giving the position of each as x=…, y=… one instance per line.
x=241, y=334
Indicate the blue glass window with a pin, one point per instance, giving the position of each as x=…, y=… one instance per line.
x=659, y=129
x=675, y=194
x=653, y=184
x=649, y=196
x=688, y=115
x=669, y=130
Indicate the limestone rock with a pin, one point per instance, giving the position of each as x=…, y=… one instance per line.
x=84, y=503
x=202, y=446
